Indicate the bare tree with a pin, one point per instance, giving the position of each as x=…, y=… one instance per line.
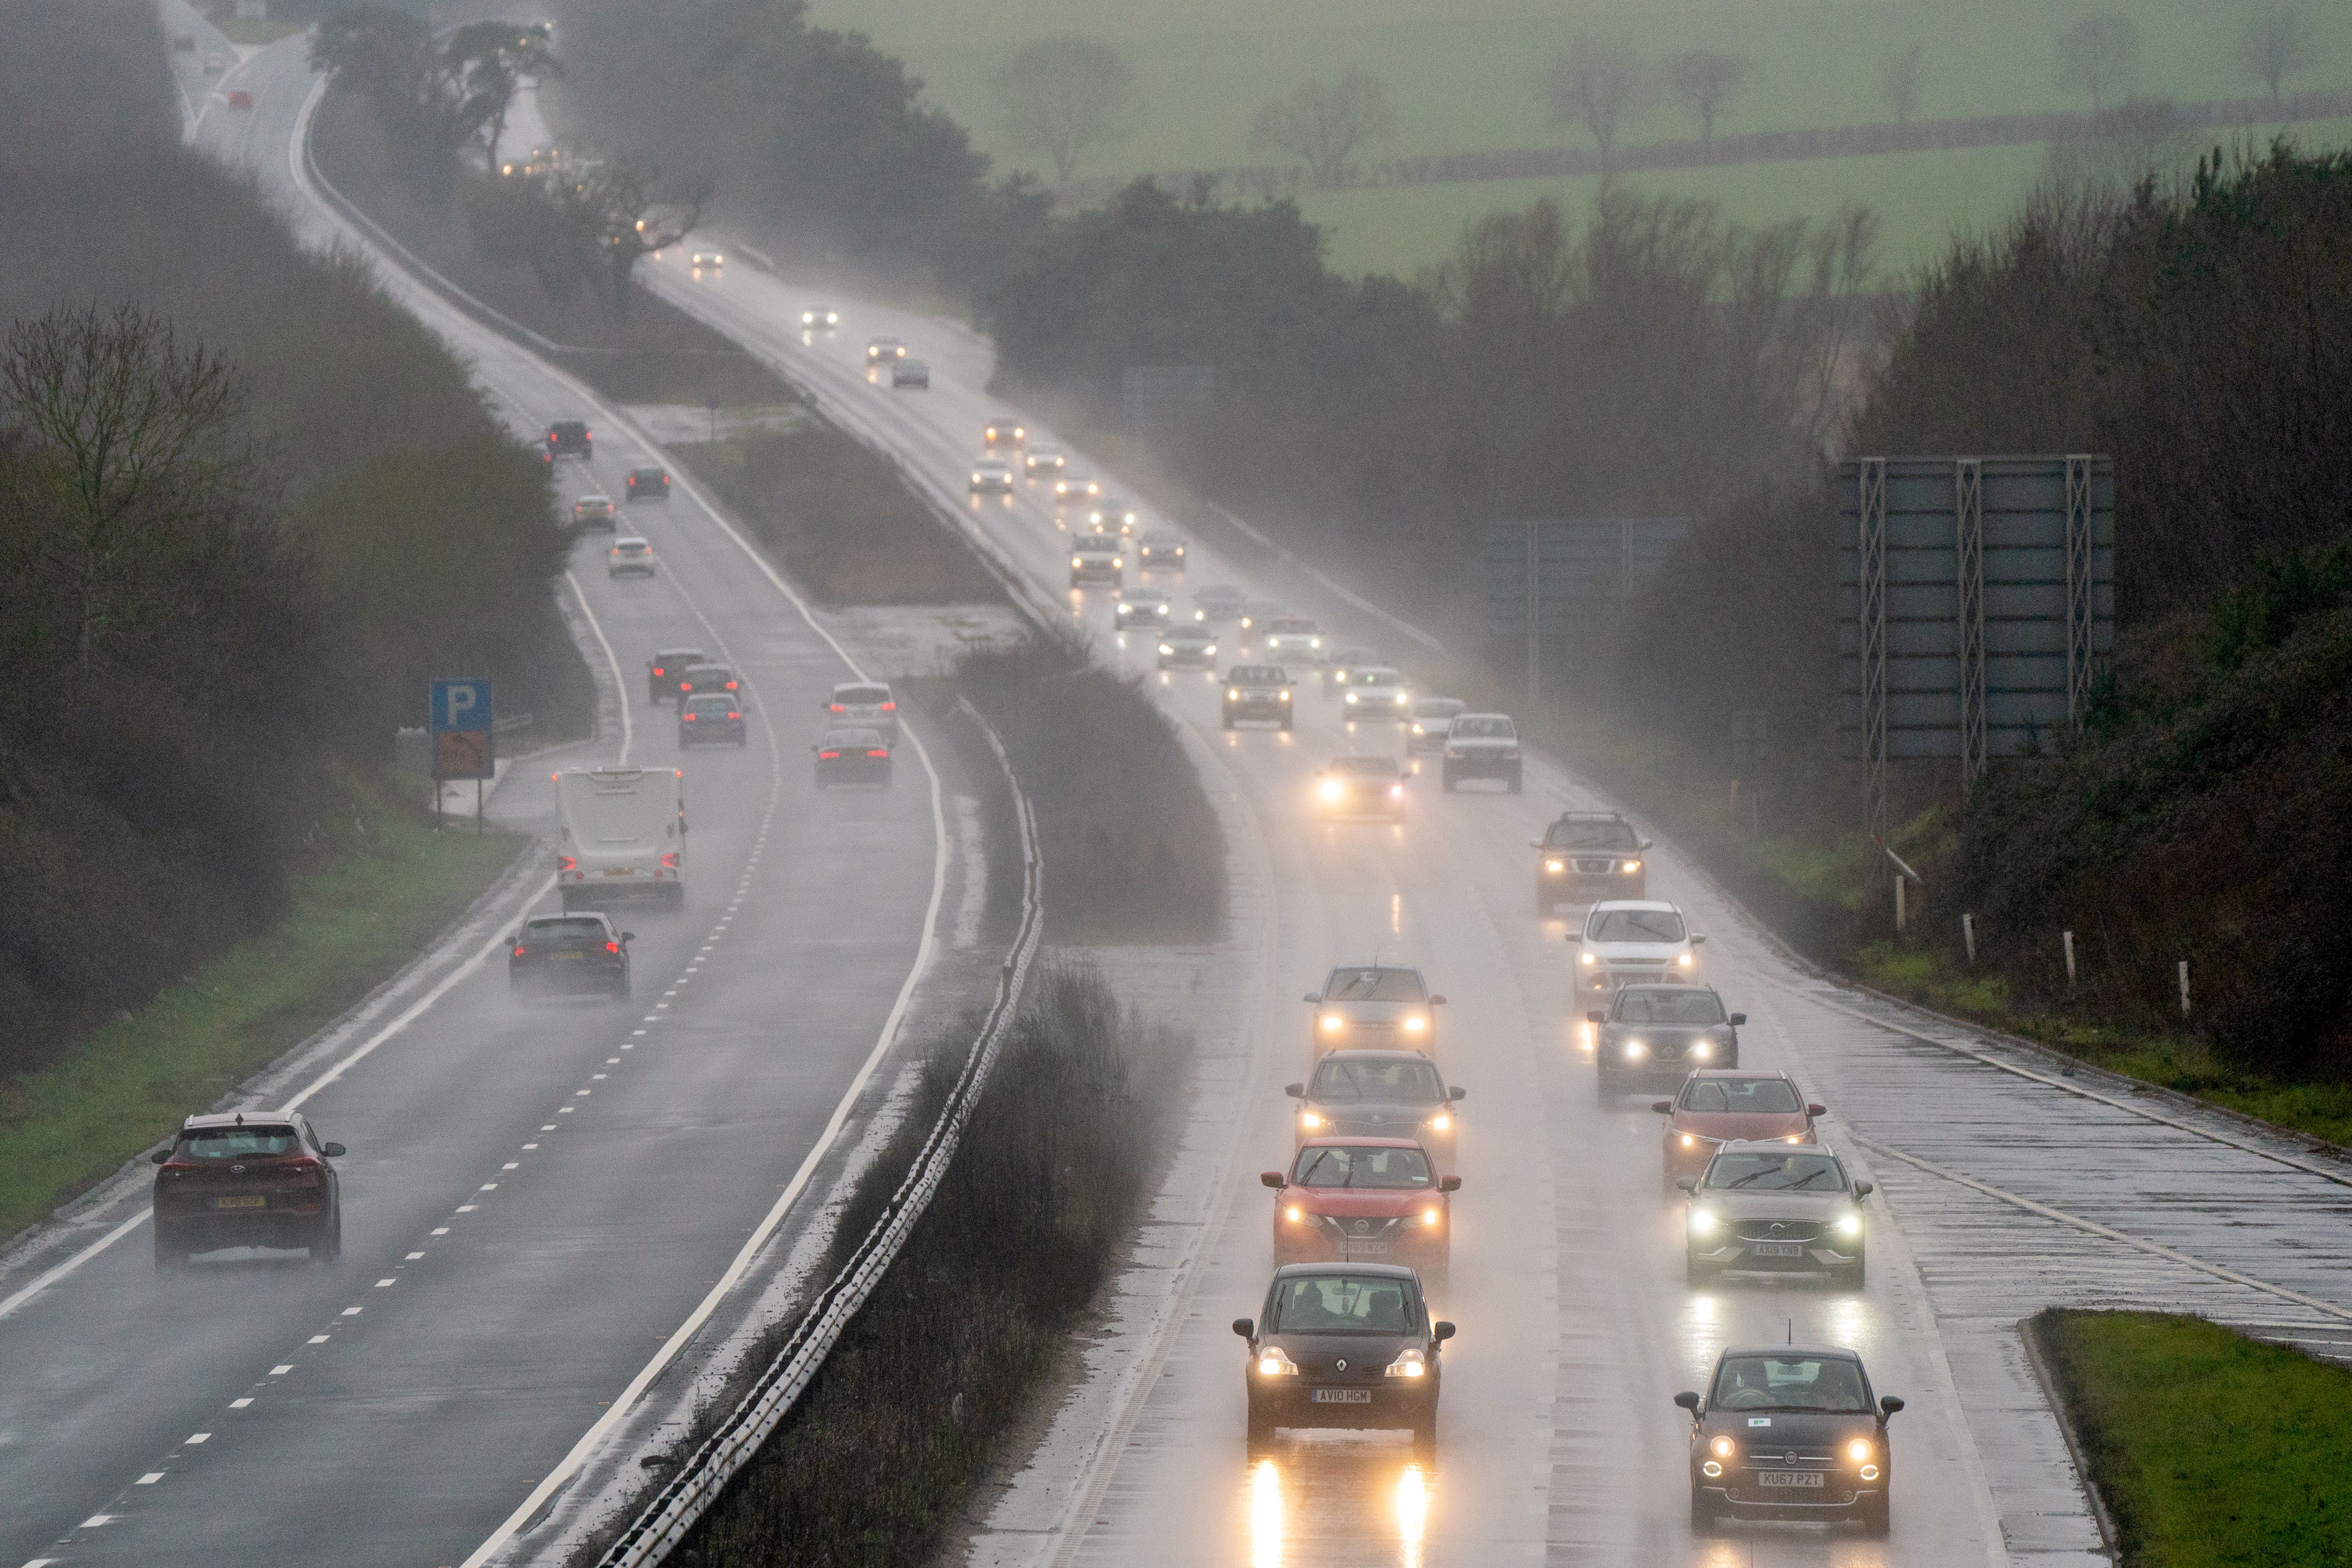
x=490, y=60
x=1703, y=82
x=1064, y=94
x=2276, y=40
x=630, y=221
x=1600, y=85
x=1899, y=74
x=2098, y=55
x=1321, y=125
x=124, y=436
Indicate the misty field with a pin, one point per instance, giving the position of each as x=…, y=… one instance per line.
x=1469, y=81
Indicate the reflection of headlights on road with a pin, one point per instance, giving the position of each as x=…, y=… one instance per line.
x=1332, y=790
x=1586, y=958
x=1332, y=1023
x=1684, y=960
x=1722, y=1447
x=1273, y=1362
x=1440, y=1122
x=1701, y=1052
x=1414, y=1026
x=1703, y=1222
x=1849, y=1225
x=1858, y=1450
x=1408, y=1364
x=1309, y=1119
x=1630, y=867
x=1635, y=1050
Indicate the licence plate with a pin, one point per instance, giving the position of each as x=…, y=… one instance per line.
x=567, y=957
x=1789, y=1477
x=1341, y=1397
x=620, y=871
x=1776, y=1248
x=1368, y=1249
x=240, y=1202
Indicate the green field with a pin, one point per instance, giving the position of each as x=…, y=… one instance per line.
x=1469, y=82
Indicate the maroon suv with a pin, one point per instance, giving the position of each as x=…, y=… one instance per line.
x=248, y=1178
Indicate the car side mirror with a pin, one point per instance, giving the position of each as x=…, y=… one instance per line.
x=1596, y=1018
x=1296, y=1090
x=1243, y=1327
x=1698, y=939
x=1813, y=1109
x=1889, y=1404
x=1457, y=1093
x=1441, y=1330
x=1863, y=1188
x=1437, y=1000
x=1313, y=996
x=1688, y=1400
x=1689, y=1185
x=1575, y=936
x=1535, y=843
x=1449, y=1184
x=333, y=1151
x=515, y=940
x=1739, y=1019
x=628, y=935
x=1647, y=842
x=160, y=1155
x=1663, y=1107
x=1273, y=1179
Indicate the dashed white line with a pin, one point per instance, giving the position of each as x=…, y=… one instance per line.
x=489, y=1187
x=240, y=1404
x=150, y=1479
x=94, y=1520
x=381, y=1284
x=200, y=1437
x=511, y=1165
x=440, y=1230
x=282, y=1370
x=319, y=1338
x=412, y=1257
x=349, y=1312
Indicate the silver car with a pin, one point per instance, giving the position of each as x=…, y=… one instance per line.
x=631, y=557
x=864, y=704
x=1424, y=734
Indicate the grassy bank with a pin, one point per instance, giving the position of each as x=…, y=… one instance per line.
x=836, y=517
x=873, y=1465
x=2210, y=1449
x=351, y=925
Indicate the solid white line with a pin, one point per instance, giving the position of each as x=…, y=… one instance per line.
x=620, y=686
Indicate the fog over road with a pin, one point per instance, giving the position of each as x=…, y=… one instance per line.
x=2003, y=1186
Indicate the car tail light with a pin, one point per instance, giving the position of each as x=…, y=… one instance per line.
x=612, y=947
x=686, y=685
x=659, y=671
x=567, y=862
x=838, y=707
x=522, y=952
x=734, y=716
x=669, y=860
x=304, y=1166
x=877, y=753
x=731, y=685
x=828, y=757
x=889, y=708
x=685, y=718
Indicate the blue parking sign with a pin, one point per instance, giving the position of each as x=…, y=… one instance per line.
x=462, y=730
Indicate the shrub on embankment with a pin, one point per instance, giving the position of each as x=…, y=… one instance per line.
x=206, y=647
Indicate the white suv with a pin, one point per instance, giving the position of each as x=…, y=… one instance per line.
x=1635, y=942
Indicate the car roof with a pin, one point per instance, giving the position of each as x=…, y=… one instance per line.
x=1506, y=717
x=1589, y=817
x=1642, y=904
x=649, y=468
x=1376, y=965
x=625, y=540
x=841, y=686
x=1368, y=1053
x=546, y=915
x=1672, y=988
x=1337, y=1142
x=1457, y=704
x=708, y=698
x=1781, y=1072
x=1777, y=1146
x=1378, y=670
x=1794, y=1352
x=711, y=664
x=679, y=653
x=209, y=1119
x=1378, y=1270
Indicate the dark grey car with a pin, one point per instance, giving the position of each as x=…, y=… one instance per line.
x=1378, y=1094
x=1775, y=1207
x=1652, y=1037
x=1344, y=1344
x=1790, y=1431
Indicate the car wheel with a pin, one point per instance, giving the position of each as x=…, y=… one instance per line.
x=1544, y=906
x=1851, y=1275
x=171, y=1252
x=1877, y=1516
x=1604, y=1092
x=330, y=1243
x=1449, y=781
x=1514, y=783
x=1285, y=724
x=569, y=904
x=1702, y=1512
x=1424, y=1439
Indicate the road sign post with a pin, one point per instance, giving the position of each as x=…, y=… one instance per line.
x=465, y=739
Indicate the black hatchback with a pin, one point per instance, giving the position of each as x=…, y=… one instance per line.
x=710, y=720
x=648, y=484
x=1344, y=1344
x=570, y=954
x=1790, y=1431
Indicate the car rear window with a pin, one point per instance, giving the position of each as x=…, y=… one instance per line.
x=1593, y=833
x=1341, y=1079
x=1373, y=985
x=248, y=1142
x=1340, y=1304
x=862, y=696
x=1366, y=1166
x=1485, y=728
x=1759, y=1096
x=562, y=930
x=1681, y=1005
x=709, y=704
x=1634, y=925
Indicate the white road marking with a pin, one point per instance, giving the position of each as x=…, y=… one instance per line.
x=381, y=1284
x=620, y=686
x=282, y=1370
x=349, y=1312
x=240, y=1404
x=493, y=1186
x=200, y=1436
x=319, y=1338
x=94, y=1520
x=412, y=1257
x=150, y=1479
x=511, y=1165
x=440, y=1230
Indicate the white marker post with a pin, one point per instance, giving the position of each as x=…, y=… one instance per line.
x=2184, y=987
x=2069, y=938
x=1968, y=936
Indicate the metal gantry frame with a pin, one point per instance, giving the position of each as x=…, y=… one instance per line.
x=1871, y=586
x=1967, y=510
x=2079, y=606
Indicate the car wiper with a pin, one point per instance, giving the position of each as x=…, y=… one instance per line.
x=1311, y=1164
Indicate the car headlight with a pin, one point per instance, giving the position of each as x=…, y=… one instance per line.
x=1332, y=790
x=1635, y=1050
x=1689, y=1142
x=1702, y=1051
x=1685, y=960
x=1849, y=1225
x=1273, y=1362
x=1166, y=647
x=1408, y=1364
x=1294, y=1214
x=1396, y=792
x=1439, y=1123
x=1586, y=957
x=1116, y=561
x=1430, y=1217
x=1332, y=1023
x=1414, y=1026
x=1722, y=1447
x=1418, y=730
x=1315, y=641
x=1309, y=1119
x=1210, y=652
x=1352, y=696
x=1794, y=1138
x=1630, y=867
x=1703, y=1222
x=1555, y=865
x=1858, y=1450
x=1076, y=561
x=1282, y=696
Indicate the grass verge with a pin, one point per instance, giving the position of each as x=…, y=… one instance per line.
x=352, y=924
x=836, y=517
x=873, y=1464
x=2210, y=1449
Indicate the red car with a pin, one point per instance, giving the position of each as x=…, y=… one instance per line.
x=1363, y=1199
x=1724, y=1105
x=246, y=1178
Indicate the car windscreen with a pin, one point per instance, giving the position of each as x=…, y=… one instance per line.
x=1340, y=1304
x=1373, y=985
x=1754, y=1096
x=1366, y=767
x=252, y=1141
x=1379, y=678
x=1258, y=675
x=1606, y=834
x=1484, y=729
x=1282, y=625
x=1680, y=1005
x=862, y=696
x=1367, y=1166
x=1792, y=1172
x=1436, y=708
x=1633, y=926
x=558, y=931
x=1341, y=1079
x=1831, y=1384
